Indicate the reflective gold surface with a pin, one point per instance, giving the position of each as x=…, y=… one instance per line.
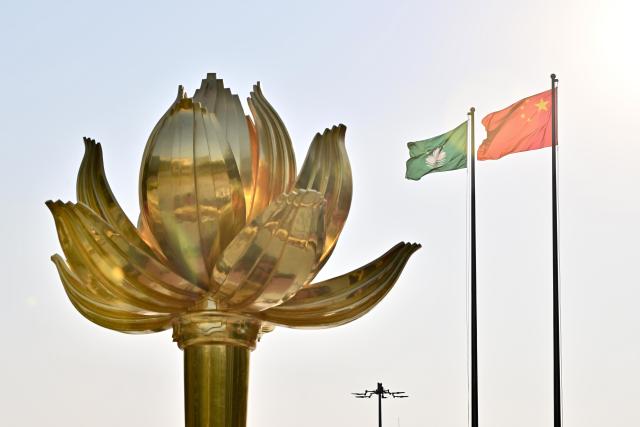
x=344, y=298
x=216, y=385
x=228, y=242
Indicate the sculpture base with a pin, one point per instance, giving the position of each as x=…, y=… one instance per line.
x=216, y=366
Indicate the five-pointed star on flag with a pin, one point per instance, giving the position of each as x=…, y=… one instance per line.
x=542, y=105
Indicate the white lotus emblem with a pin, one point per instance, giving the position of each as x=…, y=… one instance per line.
x=437, y=158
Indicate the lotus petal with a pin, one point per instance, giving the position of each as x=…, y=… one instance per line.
x=191, y=194
x=106, y=310
x=273, y=256
x=344, y=298
x=92, y=189
x=327, y=170
x=276, y=165
x=147, y=236
x=228, y=110
x=107, y=263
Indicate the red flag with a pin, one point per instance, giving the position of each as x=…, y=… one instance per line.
x=523, y=126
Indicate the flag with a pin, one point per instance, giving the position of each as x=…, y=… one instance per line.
x=444, y=152
x=523, y=126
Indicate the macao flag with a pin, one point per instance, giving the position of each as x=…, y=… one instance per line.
x=441, y=153
x=523, y=126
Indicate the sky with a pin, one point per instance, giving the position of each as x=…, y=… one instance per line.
x=393, y=72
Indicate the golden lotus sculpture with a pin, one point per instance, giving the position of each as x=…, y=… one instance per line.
x=227, y=244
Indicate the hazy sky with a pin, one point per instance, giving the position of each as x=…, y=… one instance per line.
x=392, y=72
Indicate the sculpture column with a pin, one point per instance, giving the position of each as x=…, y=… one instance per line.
x=216, y=347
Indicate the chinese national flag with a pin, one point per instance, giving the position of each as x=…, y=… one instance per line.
x=523, y=126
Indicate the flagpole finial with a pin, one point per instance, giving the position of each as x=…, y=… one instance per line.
x=472, y=110
x=553, y=77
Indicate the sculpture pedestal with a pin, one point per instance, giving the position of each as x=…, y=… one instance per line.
x=216, y=348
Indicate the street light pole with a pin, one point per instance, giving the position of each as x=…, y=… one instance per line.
x=380, y=405
x=382, y=394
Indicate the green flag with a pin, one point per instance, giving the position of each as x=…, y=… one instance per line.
x=444, y=152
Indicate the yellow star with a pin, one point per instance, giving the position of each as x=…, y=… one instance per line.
x=542, y=105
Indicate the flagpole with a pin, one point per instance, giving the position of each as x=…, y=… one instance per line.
x=474, y=317
x=557, y=383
